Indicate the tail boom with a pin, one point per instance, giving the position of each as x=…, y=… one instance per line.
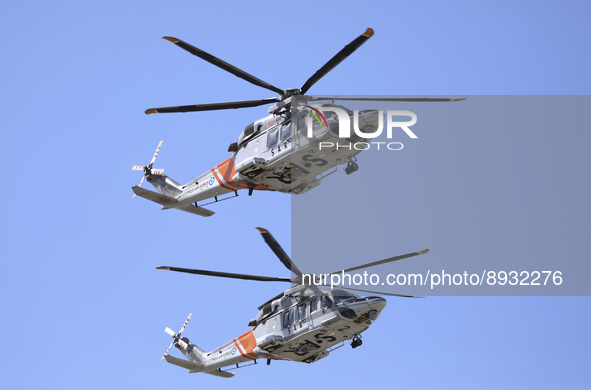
x=220, y=180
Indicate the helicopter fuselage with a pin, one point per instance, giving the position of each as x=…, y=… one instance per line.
x=280, y=152
x=301, y=328
x=281, y=156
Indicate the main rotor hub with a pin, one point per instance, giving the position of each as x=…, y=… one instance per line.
x=290, y=92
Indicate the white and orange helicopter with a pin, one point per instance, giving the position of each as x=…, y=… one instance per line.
x=276, y=152
x=303, y=324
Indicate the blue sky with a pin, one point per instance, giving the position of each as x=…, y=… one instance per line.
x=82, y=302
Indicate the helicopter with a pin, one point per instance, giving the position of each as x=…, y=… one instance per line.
x=276, y=152
x=302, y=324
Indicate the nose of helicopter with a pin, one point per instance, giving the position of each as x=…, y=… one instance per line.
x=369, y=120
x=376, y=303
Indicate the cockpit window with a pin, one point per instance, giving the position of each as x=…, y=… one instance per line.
x=313, y=304
x=341, y=295
x=327, y=105
x=267, y=308
x=272, y=139
x=325, y=302
x=301, y=123
x=248, y=130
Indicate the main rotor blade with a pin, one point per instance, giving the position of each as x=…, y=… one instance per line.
x=389, y=260
x=368, y=99
x=226, y=274
x=224, y=65
x=375, y=292
x=212, y=106
x=279, y=252
x=337, y=59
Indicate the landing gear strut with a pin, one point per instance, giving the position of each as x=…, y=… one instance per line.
x=356, y=342
x=351, y=167
x=250, y=188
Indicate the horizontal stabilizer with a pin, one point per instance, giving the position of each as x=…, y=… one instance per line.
x=154, y=196
x=196, y=367
x=221, y=374
x=196, y=210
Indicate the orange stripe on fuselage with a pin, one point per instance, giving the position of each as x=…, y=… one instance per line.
x=248, y=341
x=228, y=169
x=220, y=181
x=240, y=350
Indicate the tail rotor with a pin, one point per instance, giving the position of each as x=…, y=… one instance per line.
x=148, y=168
x=176, y=337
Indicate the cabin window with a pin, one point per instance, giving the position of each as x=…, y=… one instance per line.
x=286, y=132
x=301, y=312
x=272, y=139
x=287, y=318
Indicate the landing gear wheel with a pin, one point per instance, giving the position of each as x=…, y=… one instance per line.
x=351, y=167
